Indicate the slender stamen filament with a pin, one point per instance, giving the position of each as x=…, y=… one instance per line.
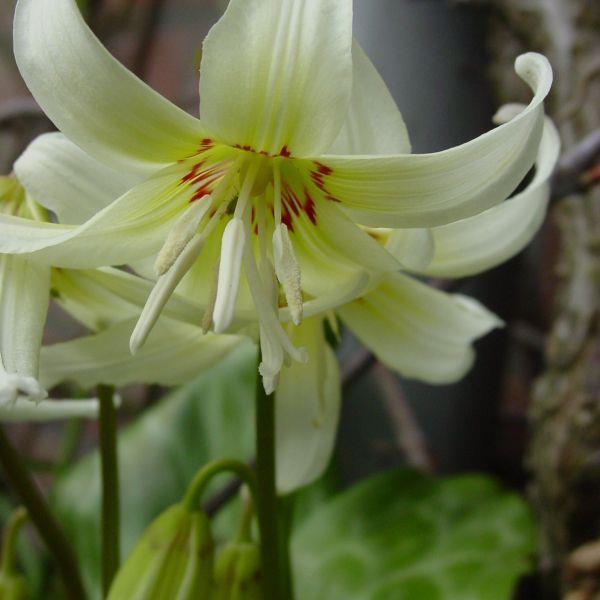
x=276, y=194
x=279, y=348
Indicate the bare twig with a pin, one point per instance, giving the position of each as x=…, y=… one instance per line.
x=19, y=110
x=409, y=437
x=147, y=35
x=570, y=174
x=356, y=366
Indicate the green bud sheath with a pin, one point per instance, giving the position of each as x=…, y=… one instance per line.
x=13, y=587
x=173, y=559
x=238, y=572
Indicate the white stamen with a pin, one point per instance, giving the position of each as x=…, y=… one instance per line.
x=244, y=196
x=276, y=194
x=271, y=363
x=181, y=233
x=162, y=291
x=232, y=248
x=277, y=347
x=166, y=284
x=288, y=271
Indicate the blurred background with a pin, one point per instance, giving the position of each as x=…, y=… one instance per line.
x=529, y=412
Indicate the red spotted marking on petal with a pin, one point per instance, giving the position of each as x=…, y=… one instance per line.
x=285, y=152
x=205, y=144
x=323, y=169
x=193, y=173
x=286, y=219
x=318, y=178
x=246, y=148
x=309, y=207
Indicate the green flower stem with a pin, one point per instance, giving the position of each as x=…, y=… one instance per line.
x=200, y=482
x=9, y=541
x=286, y=515
x=48, y=527
x=244, y=533
x=111, y=517
x=267, y=505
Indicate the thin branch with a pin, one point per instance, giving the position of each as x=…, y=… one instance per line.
x=19, y=110
x=148, y=29
x=409, y=437
x=570, y=174
x=48, y=526
x=360, y=362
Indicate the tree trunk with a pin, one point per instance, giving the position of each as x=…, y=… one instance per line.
x=564, y=454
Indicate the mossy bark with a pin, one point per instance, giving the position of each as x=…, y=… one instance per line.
x=564, y=455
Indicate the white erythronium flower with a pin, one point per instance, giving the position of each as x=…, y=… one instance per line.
x=416, y=330
x=24, y=296
x=266, y=185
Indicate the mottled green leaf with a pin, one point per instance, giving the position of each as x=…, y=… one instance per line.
x=405, y=536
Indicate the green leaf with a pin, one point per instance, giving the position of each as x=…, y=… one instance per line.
x=403, y=535
x=159, y=454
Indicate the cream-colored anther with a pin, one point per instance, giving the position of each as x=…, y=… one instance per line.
x=181, y=233
x=287, y=270
x=162, y=291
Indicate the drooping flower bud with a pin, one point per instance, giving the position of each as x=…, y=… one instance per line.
x=173, y=559
x=238, y=572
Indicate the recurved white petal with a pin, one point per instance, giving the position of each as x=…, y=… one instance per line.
x=373, y=123
x=24, y=295
x=419, y=331
x=60, y=176
x=481, y=242
x=277, y=76
x=101, y=297
x=426, y=190
x=49, y=410
x=132, y=227
x=93, y=99
x=413, y=248
x=175, y=353
x=307, y=408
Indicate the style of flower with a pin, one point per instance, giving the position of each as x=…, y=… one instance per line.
x=299, y=146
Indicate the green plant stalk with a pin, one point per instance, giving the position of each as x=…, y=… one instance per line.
x=111, y=514
x=200, y=482
x=9, y=541
x=286, y=519
x=48, y=527
x=267, y=506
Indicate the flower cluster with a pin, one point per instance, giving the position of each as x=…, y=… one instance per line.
x=292, y=200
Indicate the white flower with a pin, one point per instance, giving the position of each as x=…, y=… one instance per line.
x=299, y=141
